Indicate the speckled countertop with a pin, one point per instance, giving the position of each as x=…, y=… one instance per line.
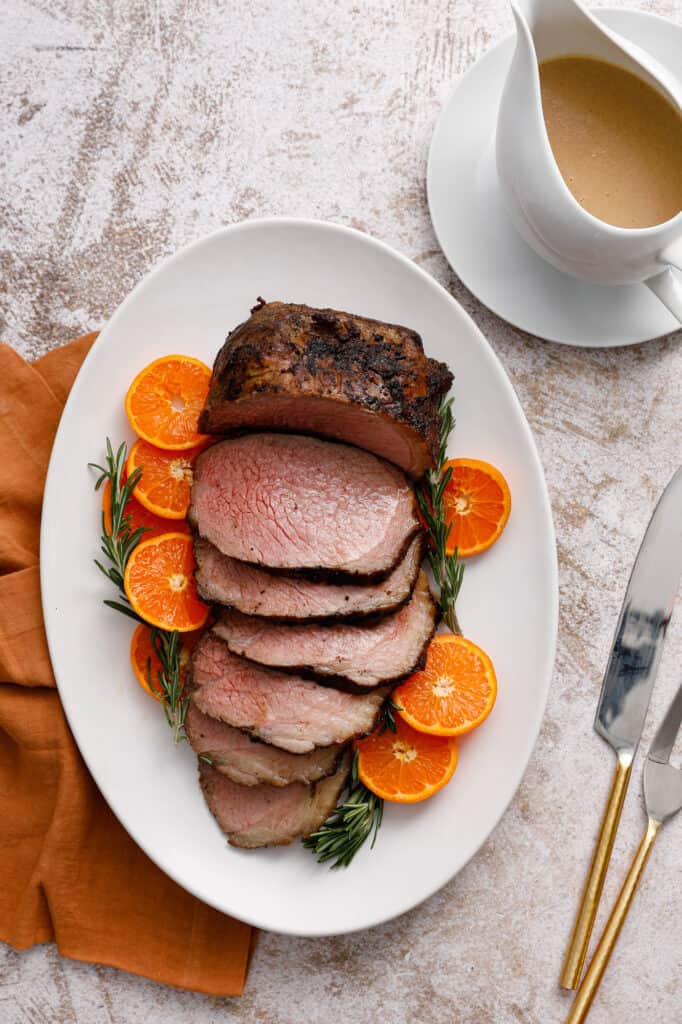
x=132, y=127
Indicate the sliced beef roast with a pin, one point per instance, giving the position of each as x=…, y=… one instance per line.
x=297, y=503
x=280, y=708
x=248, y=761
x=255, y=591
x=364, y=654
x=329, y=373
x=270, y=815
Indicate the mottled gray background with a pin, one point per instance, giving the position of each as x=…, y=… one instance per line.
x=130, y=127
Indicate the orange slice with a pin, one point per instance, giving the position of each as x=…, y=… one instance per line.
x=453, y=693
x=139, y=516
x=477, y=503
x=405, y=766
x=164, y=401
x=143, y=657
x=166, y=480
x=159, y=583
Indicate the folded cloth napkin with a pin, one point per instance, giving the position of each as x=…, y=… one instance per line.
x=70, y=872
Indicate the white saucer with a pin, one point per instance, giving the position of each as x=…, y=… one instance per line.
x=479, y=240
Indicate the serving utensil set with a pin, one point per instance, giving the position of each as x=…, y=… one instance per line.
x=621, y=712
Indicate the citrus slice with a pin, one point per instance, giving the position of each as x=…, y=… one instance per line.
x=166, y=481
x=405, y=766
x=139, y=516
x=145, y=660
x=453, y=693
x=477, y=503
x=164, y=401
x=146, y=663
x=159, y=583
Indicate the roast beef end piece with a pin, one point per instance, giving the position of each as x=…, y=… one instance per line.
x=361, y=654
x=255, y=591
x=262, y=815
x=280, y=708
x=297, y=504
x=248, y=761
x=325, y=372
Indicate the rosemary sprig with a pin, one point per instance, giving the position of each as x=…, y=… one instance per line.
x=447, y=569
x=169, y=683
x=117, y=545
x=342, y=835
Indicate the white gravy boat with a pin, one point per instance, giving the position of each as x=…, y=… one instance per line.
x=538, y=200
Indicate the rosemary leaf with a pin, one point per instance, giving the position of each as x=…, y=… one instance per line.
x=125, y=609
x=169, y=683
x=446, y=568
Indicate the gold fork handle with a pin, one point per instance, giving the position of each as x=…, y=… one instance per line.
x=584, y=921
x=602, y=955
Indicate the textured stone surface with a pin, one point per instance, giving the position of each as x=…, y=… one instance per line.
x=132, y=127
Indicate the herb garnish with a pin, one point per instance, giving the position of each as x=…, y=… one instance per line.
x=117, y=546
x=350, y=824
x=447, y=569
x=352, y=821
x=169, y=682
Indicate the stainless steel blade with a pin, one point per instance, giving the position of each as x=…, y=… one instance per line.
x=640, y=632
x=663, y=742
x=663, y=782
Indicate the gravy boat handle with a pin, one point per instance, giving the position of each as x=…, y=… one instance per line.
x=667, y=287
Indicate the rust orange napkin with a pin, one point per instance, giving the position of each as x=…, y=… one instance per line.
x=70, y=873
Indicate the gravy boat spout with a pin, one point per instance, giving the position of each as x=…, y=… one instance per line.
x=539, y=202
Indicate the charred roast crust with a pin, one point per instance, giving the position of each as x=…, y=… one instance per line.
x=346, y=617
x=324, y=353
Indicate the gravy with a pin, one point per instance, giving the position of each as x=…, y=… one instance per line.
x=616, y=140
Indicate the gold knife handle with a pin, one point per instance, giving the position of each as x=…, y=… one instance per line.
x=595, y=972
x=584, y=921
